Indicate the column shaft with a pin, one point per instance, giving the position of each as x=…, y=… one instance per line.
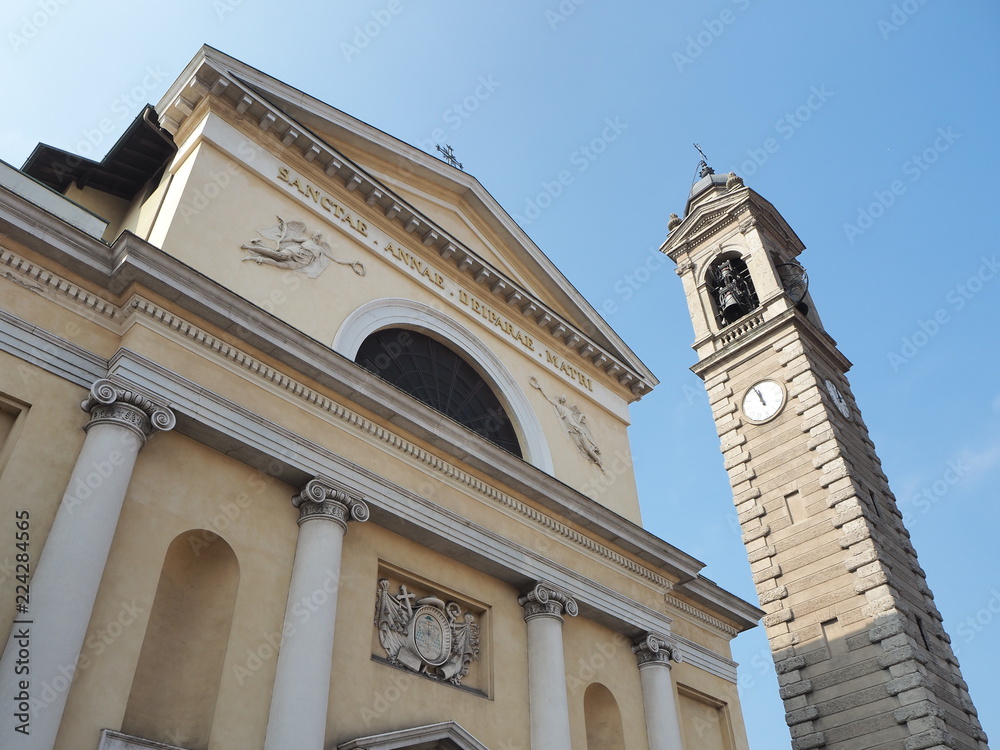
x=301, y=692
x=662, y=720
x=547, y=699
x=68, y=572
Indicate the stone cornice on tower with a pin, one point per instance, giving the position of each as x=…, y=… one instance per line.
x=715, y=212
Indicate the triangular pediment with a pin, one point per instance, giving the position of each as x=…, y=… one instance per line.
x=444, y=736
x=448, y=214
x=713, y=212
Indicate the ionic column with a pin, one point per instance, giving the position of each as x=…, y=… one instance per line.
x=68, y=572
x=544, y=606
x=654, y=654
x=305, y=659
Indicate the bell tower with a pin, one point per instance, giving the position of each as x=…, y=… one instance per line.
x=861, y=655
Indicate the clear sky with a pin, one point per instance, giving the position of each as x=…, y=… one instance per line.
x=871, y=126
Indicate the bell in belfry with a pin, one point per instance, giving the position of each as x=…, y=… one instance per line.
x=729, y=304
x=731, y=294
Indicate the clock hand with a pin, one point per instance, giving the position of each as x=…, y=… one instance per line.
x=757, y=391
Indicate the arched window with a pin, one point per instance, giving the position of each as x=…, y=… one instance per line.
x=732, y=289
x=439, y=377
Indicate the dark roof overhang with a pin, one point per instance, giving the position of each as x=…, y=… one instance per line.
x=143, y=150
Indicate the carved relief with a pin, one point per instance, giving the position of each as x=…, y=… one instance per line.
x=575, y=423
x=321, y=500
x=656, y=649
x=109, y=403
x=545, y=600
x=292, y=247
x=428, y=635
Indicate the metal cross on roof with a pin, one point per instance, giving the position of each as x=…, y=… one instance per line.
x=449, y=155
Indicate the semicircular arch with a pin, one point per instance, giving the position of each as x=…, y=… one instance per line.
x=392, y=312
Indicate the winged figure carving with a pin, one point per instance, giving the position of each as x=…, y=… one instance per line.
x=288, y=244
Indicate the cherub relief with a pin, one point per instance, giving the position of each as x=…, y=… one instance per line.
x=294, y=249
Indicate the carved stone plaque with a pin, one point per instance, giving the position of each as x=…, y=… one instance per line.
x=429, y=635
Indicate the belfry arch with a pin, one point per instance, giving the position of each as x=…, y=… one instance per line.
x=731, y=288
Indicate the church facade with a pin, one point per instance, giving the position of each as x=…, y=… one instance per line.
x=303, y=443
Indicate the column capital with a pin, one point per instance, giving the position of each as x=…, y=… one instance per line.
x=110, y=403
x=654, y=648
x=545, y=600
x=319, y=499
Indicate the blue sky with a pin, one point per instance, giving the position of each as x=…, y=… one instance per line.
x=870, y=125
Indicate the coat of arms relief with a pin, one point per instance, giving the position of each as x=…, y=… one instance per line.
x=426, y=634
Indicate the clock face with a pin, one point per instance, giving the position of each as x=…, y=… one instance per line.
x=763, y=400
x=838, y=399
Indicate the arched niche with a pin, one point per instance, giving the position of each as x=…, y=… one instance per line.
x=402, y=313
x=176, y=681
x=730, y=287
x=603, y=719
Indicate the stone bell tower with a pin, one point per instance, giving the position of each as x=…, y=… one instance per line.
x=862, y=658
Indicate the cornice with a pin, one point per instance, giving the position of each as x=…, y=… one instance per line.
x=543, y=488
x=721, y=212
x=133, y=261
x=698, y=614
x=207, y=80
x=748, y=342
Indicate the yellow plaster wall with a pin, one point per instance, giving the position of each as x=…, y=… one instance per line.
x=179, y=485
x=595, y=654
x=358, y=446
x=368, y=696
x=209, y=239
x=42, y=452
